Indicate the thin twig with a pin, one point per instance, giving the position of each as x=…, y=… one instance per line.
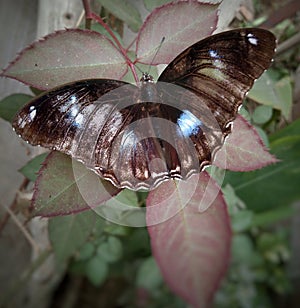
x=28, y=236
x=80, y=19
x=87, y=9
x=288, y=44
x=13, y=205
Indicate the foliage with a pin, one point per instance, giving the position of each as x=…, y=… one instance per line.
x=100, y=250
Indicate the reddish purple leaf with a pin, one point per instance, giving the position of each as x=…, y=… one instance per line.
x=243, y=149
x=59, y=192
x=181, y=23
x=192, y=248
x=66, y=56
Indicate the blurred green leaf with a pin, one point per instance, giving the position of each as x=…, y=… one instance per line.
x=124, y=11
x=118, y=230
x=96, y=270
x=149, y=276
x=273, y=247
x=245, y=113
x=232, y=200
x=78, y=267
x=262, y=114
x=267, y=218
x=269, y=92
x=292, y=129
x=111, y=250
x=86, y=251
x=138, y=243
x=68, y=233
x=10, y=105
x=242, y=220
x=31, y=169
x=275, y=185
x=263, y=136
x=242, y=249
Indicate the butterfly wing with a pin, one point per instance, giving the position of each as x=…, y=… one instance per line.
x=149, y=148
x=68, y=118
x=117, y=130
x=221, y=69
x=139, y=137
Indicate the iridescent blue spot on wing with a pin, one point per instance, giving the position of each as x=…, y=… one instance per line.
x=188, y=123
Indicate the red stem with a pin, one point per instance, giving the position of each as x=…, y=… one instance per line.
x=90, y=15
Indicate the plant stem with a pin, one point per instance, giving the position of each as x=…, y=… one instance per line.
x=89, y=15
x=23, y=230
x=288, y=44
x=88, y=12
x=13, y=205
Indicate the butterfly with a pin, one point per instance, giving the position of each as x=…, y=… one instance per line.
x=139, y=136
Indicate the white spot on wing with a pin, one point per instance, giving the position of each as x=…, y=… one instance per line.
x=188, y=123
x=213, y=53
x=252, y=39
x=32, y=113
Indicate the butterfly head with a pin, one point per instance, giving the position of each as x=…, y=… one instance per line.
x=146, y=78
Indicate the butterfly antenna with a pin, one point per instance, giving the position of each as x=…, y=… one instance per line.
x=157, y=50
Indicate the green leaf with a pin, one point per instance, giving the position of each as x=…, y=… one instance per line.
x=124, y=11
x=242, y=248
x=117, y=230
x=152, y=4
x=245, y=113
x=263, y=136
x=10, y=105
x=242, y=220
x=99, y=28
x=96, y=270
x=149, y=276
x=275, y=185
x=273, y=216
x=111, y=250
x=86, y=251
x=69, y=233
x=232, y=200
x=262, y=114
x=292, y=129
x=31, y=169
x=36, y=91
x=64, y=187
x=122, y=209
x=269, y=92
x=139, y=243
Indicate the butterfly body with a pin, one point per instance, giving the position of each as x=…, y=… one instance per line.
x=138, y=137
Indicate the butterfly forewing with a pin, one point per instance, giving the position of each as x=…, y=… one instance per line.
x=53, y=119
x=137, y=137
x=221, y=69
